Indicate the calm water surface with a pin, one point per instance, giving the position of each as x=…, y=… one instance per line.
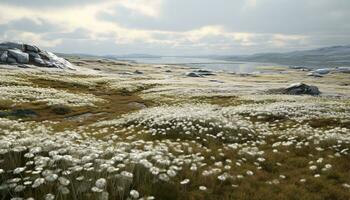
x=206, y=63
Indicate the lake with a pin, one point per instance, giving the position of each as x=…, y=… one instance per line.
x=207, y=63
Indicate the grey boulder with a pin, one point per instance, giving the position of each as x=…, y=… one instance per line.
x=39, y=61
x=11, y=60
x=11, y=45
x=297, y=89
x=32, y=48
x=315, y=75
x=19, y=55
x=322, y=71
x=138, y=72
x=4, y=56
x=12, y=53
x=193, y=74
x=204, y=72
x=33, y=55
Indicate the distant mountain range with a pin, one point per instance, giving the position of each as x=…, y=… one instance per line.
x=323, y=57
x=130, y=56
x=335, y=56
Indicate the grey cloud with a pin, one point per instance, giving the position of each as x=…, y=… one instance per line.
x=269, y=16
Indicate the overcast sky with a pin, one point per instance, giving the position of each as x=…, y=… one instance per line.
x=175, y=27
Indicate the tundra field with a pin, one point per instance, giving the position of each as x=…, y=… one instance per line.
x=117, y=130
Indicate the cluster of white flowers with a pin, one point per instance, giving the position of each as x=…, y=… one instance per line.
x=20, y=94
x=10, y=78
x=44, y=150
x=167, y=141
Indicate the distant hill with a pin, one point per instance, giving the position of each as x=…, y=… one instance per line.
x=323, y=57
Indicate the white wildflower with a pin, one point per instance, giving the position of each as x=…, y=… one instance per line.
x=303, y=180
x=38, y=182
x=49, y=196
x=164, y=177
x=20, y=188
x=185, y=181
x=101, y=183
x=63, y=181
x=96, y=189
x=203, y=188
x=63, y=190
x=328, y=166
x=51, y=177
x=127, y=174
x=313, y=167
x=171, y=173
x=250, y=173
x=19, y=170
x=134, y=194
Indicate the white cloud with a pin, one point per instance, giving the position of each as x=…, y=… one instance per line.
x=251, y=3
x=279, y=40
x=85, y=18
x=30, y=38
x=149, y=8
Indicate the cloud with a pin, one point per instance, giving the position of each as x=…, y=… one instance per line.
x=149, y=8
x=31, y=38
x=204, y=26
x=72, y=18
x=251, y=3
x=279, y=40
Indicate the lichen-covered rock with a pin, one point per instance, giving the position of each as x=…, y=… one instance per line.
x=18, y=53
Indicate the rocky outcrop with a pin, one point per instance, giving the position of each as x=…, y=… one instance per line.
x=297, y=89
x=18, y=53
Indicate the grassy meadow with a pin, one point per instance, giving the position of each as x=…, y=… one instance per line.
x=93, y=136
